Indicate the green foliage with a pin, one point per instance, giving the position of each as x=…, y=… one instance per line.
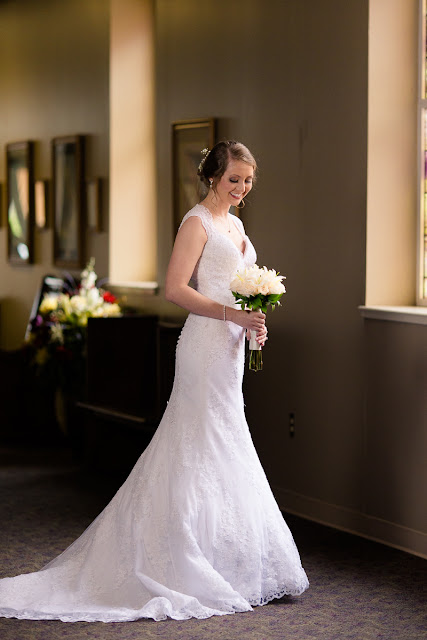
x=259, y=302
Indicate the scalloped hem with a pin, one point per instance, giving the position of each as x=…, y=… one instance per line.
x=202, y=613
x=279, y=594
x=32, y=615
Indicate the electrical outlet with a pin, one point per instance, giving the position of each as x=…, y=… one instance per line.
x=292, y=424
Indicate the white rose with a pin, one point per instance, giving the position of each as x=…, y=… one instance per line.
x=245, y=289
x=263, y=289
x=277, y=287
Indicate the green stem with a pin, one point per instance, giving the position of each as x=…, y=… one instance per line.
x=255, y=360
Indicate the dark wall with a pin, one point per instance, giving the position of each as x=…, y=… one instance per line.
x=290, y=82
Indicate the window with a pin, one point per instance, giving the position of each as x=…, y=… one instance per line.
x=422, y=120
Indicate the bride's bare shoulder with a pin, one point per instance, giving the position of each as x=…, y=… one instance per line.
x=193, y=223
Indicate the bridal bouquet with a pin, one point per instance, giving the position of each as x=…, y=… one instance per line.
x=256, y=288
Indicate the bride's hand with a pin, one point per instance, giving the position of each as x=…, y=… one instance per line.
x=261, y=335
x=250, y=320
x=256, y=322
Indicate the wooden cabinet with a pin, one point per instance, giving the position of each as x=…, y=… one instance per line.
x=129, y=378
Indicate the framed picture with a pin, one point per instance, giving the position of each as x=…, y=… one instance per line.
x=93, y=204
x=20, y=201
x=189, y=137
x=68, y=201
x=41, y=202
x=1, y=204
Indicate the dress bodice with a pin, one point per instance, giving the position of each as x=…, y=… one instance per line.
x=220, y=258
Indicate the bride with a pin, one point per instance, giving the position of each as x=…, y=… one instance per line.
x=195, y=530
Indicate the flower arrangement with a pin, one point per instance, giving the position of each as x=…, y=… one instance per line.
x=256, y=288
x=57, y=339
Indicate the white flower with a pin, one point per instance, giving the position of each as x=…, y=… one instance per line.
x=111, y=310
x=254, y=280
x=245, y=282
x=49, y=303
x=78, y=304
x=106, y=310
x=88, y=276
x=277, y=286
x=271, y=280
x=98, y=312
x=64, y=304
x=255, y=288
x=93, y=298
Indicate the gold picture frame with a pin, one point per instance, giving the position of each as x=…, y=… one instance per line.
x=68, y=201
x=189, y=137
x=20, y=201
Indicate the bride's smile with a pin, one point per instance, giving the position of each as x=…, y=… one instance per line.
x=231, y=188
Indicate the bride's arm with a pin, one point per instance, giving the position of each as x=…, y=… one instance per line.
x=188, y=247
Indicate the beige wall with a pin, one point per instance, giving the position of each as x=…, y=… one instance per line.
x=54, y=65
x=133, y=207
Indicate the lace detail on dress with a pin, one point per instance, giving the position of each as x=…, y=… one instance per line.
x=195, y=530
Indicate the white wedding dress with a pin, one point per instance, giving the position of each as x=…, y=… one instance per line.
x=195, y=530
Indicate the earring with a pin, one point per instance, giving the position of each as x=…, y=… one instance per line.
x=210, y=183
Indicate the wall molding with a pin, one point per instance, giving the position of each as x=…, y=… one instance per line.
x=352, y=521
x=411, y=315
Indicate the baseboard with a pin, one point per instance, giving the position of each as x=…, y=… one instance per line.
x=355, y=522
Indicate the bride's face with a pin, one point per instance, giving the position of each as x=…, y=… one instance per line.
x=235, y=183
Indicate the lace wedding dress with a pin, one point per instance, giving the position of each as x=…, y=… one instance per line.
x=195, y=530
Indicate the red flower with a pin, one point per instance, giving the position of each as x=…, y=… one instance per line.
x=108, y=297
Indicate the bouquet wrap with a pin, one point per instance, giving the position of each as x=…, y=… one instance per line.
x=253, y=344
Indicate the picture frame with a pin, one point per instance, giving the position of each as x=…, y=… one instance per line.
x=20, y=201
x=189, y=137
x=68, y=201
x=93, y=204
x=41, y=204
x=1, y=204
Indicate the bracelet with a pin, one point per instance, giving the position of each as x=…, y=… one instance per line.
x=224, y=314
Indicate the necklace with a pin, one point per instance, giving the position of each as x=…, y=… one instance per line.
x=229, y=226
x=216, y=216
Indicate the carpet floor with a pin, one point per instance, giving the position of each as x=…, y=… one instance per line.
x=360, y=590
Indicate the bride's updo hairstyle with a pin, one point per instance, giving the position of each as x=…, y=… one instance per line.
x=215, y=162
